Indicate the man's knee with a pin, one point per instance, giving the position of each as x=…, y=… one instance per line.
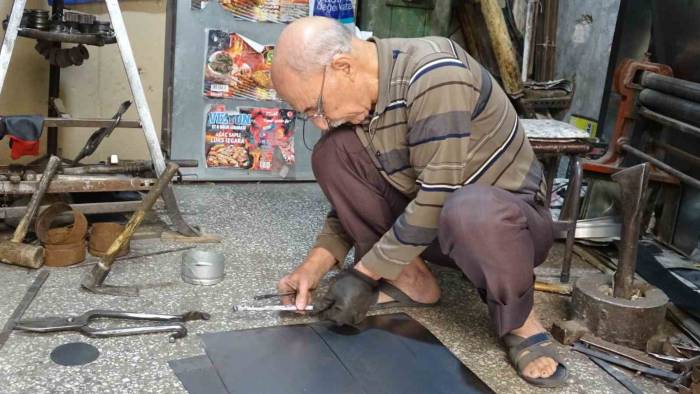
x=480, y=209
x=329, y=152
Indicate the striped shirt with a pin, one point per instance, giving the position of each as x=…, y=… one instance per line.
x=441, y=122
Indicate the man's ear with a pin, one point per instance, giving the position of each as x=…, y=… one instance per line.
x=344, y=63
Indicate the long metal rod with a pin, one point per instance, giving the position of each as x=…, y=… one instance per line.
x=659, y=373
x=89, y=122
x=670, y=122
x=8, y=42
x=290, y=308
x=87, y=208
x=32, y=291
x=573, y=203
x=661, y=165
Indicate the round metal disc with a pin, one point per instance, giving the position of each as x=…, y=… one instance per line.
x=74, y=353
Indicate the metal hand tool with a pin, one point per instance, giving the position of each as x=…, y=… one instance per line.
x=16, y=252
x=81, y=323
x=94, y=280
x=291, y=308
x=23, y=305
x=96, y=138
x=137, y=255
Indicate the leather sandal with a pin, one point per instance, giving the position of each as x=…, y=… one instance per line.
x=523, y=351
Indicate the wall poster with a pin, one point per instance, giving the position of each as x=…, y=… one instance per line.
x=259, y=139
x=278, y=11
x=237, y=67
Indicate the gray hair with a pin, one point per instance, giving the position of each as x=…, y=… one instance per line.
x=317, y=51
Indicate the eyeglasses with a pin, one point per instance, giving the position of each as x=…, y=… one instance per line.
x=319, y=113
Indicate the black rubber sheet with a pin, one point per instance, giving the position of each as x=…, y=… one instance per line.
x=388, y=354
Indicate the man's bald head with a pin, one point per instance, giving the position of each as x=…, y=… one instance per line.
x=308, y=44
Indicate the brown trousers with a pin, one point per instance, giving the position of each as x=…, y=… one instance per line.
x=494, y=236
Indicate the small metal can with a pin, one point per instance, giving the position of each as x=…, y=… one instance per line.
x=202, y=267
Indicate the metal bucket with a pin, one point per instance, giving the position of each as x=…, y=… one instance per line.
x=201, y=267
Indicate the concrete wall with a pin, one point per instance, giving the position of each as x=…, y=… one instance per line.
x=96, y=88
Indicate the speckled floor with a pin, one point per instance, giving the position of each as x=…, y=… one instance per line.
x=267, y=229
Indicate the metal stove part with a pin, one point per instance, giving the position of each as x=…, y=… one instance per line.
x=74, y=353
x=201, y=267
x=23, y=305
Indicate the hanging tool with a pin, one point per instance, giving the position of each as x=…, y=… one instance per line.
x=281, y=308
x=14, y=251
x=23, y=305
x=81, y=323
x=94, y=280
x=96, y=138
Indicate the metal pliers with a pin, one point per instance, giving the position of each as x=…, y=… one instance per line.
x=81, y=323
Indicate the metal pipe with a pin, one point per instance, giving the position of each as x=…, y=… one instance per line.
x=572, y=214
x=527, y=40
x=670, y=122
x=661, y=165
x=674, y=86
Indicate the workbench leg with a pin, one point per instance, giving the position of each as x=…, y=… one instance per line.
x=551, y=167
x=573, y=200
x=149, y=129
x=8, y=42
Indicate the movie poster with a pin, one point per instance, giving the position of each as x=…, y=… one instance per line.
x=278, y=11
x=258, y=139
x=237, y=67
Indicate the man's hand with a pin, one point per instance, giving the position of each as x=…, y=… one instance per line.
x=305, y=278
x=348, y=299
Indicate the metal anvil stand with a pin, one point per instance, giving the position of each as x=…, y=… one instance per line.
x=612, y=308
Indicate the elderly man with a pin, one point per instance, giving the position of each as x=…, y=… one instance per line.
x=422, y=157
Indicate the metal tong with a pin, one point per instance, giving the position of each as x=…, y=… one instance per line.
x=81, y=323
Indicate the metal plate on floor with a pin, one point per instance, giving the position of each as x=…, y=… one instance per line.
x=389, y=354
x=74, y=353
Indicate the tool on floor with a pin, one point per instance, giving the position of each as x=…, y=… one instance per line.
x=81, y=323
x=688, y=370
x=23, y=305
x=290, y=308
x=94, y=279
x=139, y=255
x=202, y=267
x=14, y=251
x=74, y=353
x=617, y=375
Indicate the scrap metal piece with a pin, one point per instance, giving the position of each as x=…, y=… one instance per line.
x=138, y=255
x=74, y=353
x=633, y=183
x=617, y=375
x=32, y=291
x=634, y=366
x=102, y=235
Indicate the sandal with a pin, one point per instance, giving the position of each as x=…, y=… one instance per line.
x=523, y=351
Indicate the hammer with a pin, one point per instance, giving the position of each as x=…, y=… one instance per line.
x=94, y=280
x=14, y=251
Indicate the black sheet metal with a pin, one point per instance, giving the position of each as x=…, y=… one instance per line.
x=198, y=375
x=388, y=354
